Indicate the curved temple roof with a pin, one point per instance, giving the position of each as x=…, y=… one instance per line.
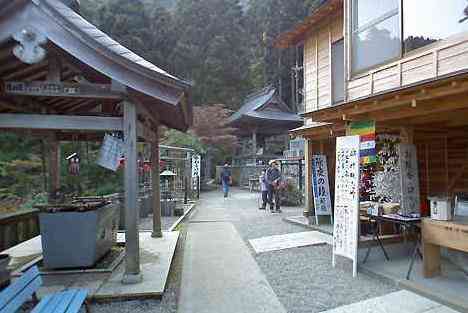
x=164, y=94
x=266, y=112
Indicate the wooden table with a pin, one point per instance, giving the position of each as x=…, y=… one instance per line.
x=436, y=234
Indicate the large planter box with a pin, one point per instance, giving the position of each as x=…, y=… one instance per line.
x=78, y=239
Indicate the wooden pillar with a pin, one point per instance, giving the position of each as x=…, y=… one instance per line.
x=54, y=166
x=254, y=144
x=132, y=273
x=156, y=187
x=406, y=135
x=309, y=198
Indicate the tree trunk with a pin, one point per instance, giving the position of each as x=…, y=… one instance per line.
x=208, y=163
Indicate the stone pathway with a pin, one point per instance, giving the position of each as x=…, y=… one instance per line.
x=396, y=302
x=219, y=273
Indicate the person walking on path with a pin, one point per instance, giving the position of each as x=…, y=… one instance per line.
x=226, y=179
x=273, y=178
x=264, y=190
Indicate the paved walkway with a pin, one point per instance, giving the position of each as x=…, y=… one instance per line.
x=219, y=273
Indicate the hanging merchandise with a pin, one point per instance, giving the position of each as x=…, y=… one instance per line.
x=73, y=164
x=111, y=152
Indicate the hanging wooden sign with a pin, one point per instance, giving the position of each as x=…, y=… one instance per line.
x=346, y=215
x=59, y=89
x=320, y=186
x=111, y=152
x=410, y=201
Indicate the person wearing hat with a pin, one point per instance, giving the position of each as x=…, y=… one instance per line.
x=226, y=179
x=273, y=178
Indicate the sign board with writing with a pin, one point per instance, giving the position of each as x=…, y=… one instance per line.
x=196, y=163
x=59, y=89
x=111, y=151
x=320, y=186
x=410, y=201
x=346, y=216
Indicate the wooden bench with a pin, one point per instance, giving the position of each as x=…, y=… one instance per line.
x=24, y=289
x=436, y=234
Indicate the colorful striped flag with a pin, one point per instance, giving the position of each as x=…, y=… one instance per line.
x=366, y=131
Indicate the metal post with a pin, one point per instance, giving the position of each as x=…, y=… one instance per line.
x=156, y=186
x=198, y=186
x=132, y=273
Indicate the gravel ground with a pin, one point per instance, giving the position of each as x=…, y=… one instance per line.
x=302, y=278
x=168, y=304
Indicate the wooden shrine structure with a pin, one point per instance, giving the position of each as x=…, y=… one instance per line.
x=61, y=78
x=263, y=114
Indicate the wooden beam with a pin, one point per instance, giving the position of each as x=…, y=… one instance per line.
x=60, y=122
x=59, y=89
x=145, y=132
x=426, y=108
x=389, y=101
x=132, y=273
x=25, y=71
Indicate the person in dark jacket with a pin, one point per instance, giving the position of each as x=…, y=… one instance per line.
x=273, y=178
x=226, y=179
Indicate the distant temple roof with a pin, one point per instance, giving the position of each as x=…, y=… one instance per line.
x=265, y=112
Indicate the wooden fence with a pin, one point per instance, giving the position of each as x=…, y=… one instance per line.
x=18, y=227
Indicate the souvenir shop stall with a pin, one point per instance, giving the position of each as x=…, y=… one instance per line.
x=396, y=203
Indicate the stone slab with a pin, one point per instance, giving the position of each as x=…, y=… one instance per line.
x=220, y=275
x=156, y=256
x=305, y=222
x=397, y=302
x=29, y=251
x=448, y=288
x=287, y=241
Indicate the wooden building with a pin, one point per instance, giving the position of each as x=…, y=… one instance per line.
x=61, y=78
x=398, y=64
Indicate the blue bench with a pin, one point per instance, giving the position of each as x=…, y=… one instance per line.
x=24, y=289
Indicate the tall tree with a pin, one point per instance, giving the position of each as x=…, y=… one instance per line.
x=266, y=20
x=212, y=50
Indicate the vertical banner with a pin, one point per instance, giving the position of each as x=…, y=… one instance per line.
x=320, y=186
x=196, y=163
x=366, y=130
x=410, y=201
x=346, y=216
